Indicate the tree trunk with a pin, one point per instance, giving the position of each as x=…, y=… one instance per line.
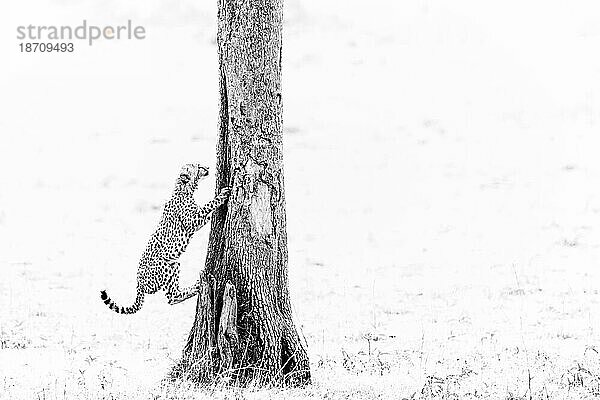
x=243, y=328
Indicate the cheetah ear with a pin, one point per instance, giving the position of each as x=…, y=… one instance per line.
x=185, y=178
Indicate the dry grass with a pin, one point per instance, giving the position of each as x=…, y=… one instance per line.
x=57, y=350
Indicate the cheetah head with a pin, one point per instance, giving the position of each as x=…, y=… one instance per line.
x=190, y=175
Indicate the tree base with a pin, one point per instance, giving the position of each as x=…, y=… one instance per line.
x=215, y=353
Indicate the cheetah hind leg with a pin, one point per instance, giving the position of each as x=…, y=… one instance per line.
x=174, y=294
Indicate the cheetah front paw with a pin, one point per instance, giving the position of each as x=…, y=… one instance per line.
x=224, y=193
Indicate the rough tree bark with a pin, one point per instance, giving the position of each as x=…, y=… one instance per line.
x=243, y=328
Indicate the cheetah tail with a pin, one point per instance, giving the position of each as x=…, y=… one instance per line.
x=139, y=300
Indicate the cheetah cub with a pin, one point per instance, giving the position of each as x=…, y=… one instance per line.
x=158, y=267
